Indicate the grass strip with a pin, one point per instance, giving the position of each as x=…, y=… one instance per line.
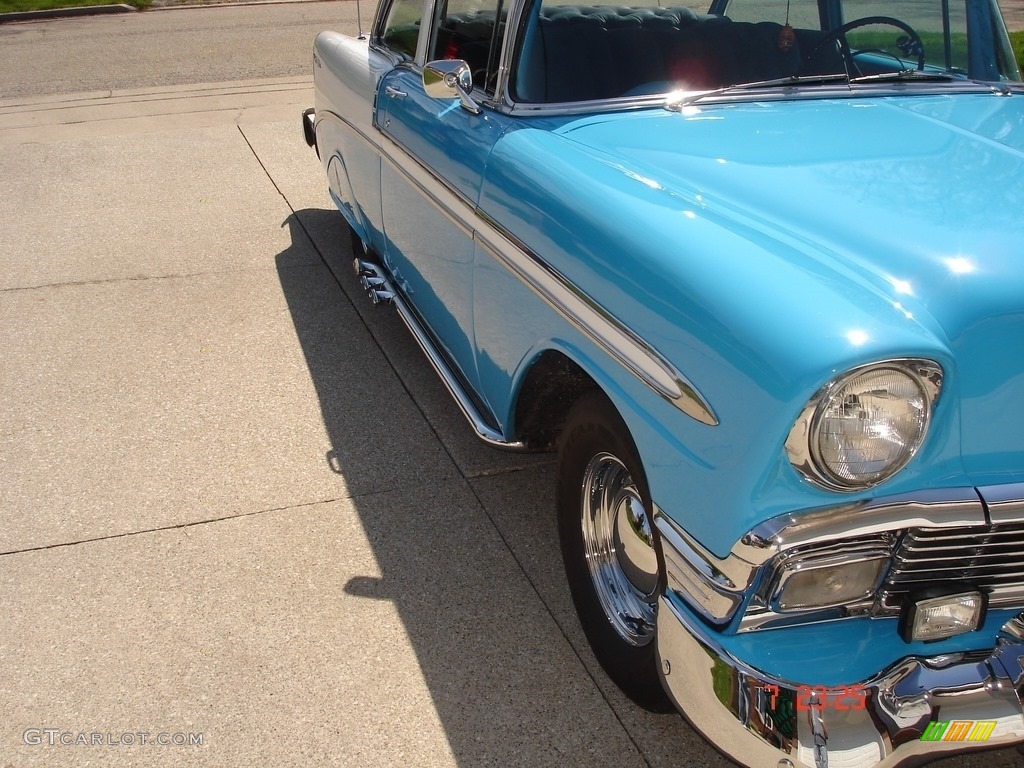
x=11, y=6
x=1017, y=40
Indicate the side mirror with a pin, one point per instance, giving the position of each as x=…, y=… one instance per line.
x=450, y=79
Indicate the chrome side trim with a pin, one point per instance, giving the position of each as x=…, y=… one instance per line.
x=448, y=201
x=593, y=320
x=378, y=285
x=757, y=719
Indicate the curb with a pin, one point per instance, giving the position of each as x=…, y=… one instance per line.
x=192, y=4
x=57, y=13
x=95, y=10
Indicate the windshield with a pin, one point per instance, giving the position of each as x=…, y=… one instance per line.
x=571, y=52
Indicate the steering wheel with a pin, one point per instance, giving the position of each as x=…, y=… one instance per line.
x=909, y=45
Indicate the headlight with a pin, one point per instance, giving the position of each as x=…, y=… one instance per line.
x=865, y=426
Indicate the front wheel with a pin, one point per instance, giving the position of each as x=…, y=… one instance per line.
x=609, y=546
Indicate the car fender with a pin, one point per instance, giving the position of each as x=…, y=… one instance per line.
x=695, y=288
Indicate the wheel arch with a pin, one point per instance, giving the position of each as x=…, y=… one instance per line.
x=549, y=386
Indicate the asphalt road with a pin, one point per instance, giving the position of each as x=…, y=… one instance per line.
x=174, y=46
x=236, y=505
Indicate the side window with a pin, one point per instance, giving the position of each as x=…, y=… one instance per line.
x=471, y=30
x=401, y=28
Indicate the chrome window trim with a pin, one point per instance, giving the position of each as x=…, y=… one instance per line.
x=501, y=100
x=797, y=93
x=377, y=34
x=576, y=307
x=498, y=100
x=513, y=22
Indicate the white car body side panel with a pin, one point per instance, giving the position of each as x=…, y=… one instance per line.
x=346, y=74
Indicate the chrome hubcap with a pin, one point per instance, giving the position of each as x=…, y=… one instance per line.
x=619, y=547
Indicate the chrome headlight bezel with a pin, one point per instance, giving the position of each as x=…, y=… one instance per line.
x=790, y=570
x=803, y=445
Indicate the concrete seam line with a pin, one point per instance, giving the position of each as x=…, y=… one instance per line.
x=178, y=526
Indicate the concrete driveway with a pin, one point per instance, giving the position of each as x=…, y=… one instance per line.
x=237, y=507
x=241, y=523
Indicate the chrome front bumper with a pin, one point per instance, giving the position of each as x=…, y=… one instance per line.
x=755, y=719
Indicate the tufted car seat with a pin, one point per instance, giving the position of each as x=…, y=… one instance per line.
x=578, y=53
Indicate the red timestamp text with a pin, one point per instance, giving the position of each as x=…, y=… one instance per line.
x=850, y=698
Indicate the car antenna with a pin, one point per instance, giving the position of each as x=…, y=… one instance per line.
x=359, y=23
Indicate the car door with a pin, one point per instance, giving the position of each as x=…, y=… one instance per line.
x=433, y=161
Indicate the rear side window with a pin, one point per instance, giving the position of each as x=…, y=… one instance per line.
x=471, y=30
x=401, y=29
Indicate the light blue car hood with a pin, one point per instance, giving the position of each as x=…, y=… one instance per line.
x=920, y=197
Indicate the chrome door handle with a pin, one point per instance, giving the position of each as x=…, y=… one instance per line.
x=394, y=93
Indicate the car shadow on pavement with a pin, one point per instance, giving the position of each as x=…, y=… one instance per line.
x=486, y=617
x=467, y=559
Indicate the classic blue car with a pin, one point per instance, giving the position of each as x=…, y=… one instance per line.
x=756, y=271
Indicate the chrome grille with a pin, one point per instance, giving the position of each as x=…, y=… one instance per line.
x=988, y=557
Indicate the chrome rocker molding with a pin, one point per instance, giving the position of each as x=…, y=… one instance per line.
x=750, y=713
x=380, y=291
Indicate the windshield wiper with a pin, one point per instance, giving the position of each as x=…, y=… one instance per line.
x=677, y=101
x=904, y=75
